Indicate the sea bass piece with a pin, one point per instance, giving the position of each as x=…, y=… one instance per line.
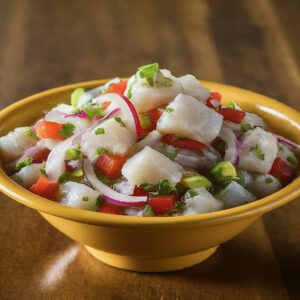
x=189, y=118
x=110, y=135
x=258, y=151
x=15, y=143
x=151, y=166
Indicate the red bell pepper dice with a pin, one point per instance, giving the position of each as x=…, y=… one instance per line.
x=232, y=114
x=48, y=130
x=281, y=170
x=118, y=88
x=214, y=100
x=44, y=187
x=171, y=139
x=161, y=204
x=139, y=192
x=111, y=209
x=110, y=165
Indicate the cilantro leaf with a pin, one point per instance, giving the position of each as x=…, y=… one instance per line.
x=191, y=193
x=149, y=187
x=148, y=71
x=231, y=105
x=258, y=152
x=75, y=176
x=24, y=163
x=31, y=133
x=119, y=120
x=129, y=93
x=75, y=96
x=100, y=200
x=99, y=131
x=67, y=130
x=169, y=154
x=165, y=187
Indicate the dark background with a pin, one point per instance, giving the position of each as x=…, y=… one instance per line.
x=253, y=44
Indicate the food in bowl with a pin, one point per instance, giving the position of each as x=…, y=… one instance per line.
x=157, y=145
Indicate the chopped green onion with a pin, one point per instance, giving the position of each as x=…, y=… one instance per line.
x=258, y=152
x=293, y=160
x=269, y=180
x=246, y=126
x=169, y=109
x=24, y=163
x=67, y=130
x=101, y=150
x=85, y=198
x=99, y=131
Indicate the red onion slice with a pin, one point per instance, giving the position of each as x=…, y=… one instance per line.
x=39, y=146
x=232, y=151
x=287, y=142
x=108, y=193
x=128, y=111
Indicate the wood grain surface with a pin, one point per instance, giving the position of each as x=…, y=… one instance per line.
x=252, y=44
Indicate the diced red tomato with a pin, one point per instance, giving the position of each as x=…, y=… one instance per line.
x=171, y=139
x=106, y=104
x=118, y=88
x=48, y=130
x=111, y=209
x=139, y=192
x=44, y=187
x=281, y=170
x=161, y=204
x=41, y=156
x=110, y=165
x=232, y=114
x=214, y=100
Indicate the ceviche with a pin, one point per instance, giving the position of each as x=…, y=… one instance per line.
x=155, y=145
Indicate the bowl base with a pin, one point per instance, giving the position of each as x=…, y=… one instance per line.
x=152, y=265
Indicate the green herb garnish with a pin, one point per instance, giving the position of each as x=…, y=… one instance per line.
x=293, y=160
x=24, y=163
x=119, y=120
x=73, y=153
x=191, y=194
x=100, y=200
x=269, y=180
x=129, y=93
x=169, y=109
x=85, y=198
x=258, y=152
x=75, y=176
x=169, y=154
x=165, y=187
x=99, y=131
x=67, y=130
x=93, y=111
x=149, y=187
x=246, y=126
x=231, y=105
x=101, y=150
x=31, y=133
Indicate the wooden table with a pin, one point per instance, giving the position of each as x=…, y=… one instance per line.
x=253, y=44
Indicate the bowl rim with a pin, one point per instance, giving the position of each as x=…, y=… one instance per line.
x=250, y=210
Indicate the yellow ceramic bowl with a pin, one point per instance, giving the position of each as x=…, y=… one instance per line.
x=151, y=244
